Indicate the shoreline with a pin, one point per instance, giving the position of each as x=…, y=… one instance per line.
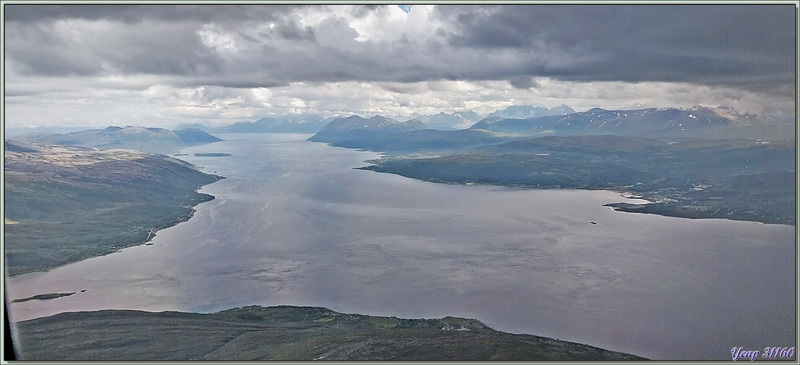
x=652, y=206
x=177, y=220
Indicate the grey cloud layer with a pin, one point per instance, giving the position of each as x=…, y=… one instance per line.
x=733, y=44
x=744, y=46
x=138, y=13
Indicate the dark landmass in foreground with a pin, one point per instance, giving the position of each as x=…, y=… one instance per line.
x=282, y=333
x=66, y=204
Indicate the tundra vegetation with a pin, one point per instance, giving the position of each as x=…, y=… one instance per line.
x=66, y=204
x=283, y=333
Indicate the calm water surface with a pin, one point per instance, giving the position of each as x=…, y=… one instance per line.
x=294, y=223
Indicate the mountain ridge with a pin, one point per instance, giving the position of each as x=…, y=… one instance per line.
x=151, y=139
x=357, y=127
x=290, y=123
x=528, y=111
x=698, y=121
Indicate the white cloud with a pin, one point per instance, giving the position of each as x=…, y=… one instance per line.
x=389, y=23
x=165, y=105
x=218, y=39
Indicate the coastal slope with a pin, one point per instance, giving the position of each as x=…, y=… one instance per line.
x=68, y=203
x=738, y=179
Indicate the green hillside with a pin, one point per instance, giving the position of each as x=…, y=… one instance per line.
x=283, y=333
x=64, y=204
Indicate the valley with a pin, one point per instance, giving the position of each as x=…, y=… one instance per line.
x=127, y=197
x=297, y=223
x=370, y=181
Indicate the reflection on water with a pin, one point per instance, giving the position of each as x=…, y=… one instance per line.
x=294, y=223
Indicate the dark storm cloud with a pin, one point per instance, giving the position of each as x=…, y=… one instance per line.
x=157, y=48
x=708, y=44
x=293, y=32
x=137, y=13
x=56, y=40
x=745, y=46
x=523, y=82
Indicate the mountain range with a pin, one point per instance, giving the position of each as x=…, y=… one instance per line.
x=453, y=130
x=719, y=122
x=696, y=163
x=386, y=134
x=650, y=122
x=312, y=123
x=515, y=119
x=445, y=121
x=291, y=123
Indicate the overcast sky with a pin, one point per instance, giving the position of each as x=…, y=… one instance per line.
x=161, y=65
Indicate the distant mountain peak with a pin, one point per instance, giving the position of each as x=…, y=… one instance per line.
x=356, y=126
x=382, y=118
x=705, y=107
x=287, y=123
x=528, y=111
x=445, y=121
x=562, y=109
x=468, y=115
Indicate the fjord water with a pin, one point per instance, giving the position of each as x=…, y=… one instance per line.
x=295, y=223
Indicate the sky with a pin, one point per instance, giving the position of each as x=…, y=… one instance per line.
x=165, y=65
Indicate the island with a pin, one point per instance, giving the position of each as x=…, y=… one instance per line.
x=212, y=154
x=43, y=297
